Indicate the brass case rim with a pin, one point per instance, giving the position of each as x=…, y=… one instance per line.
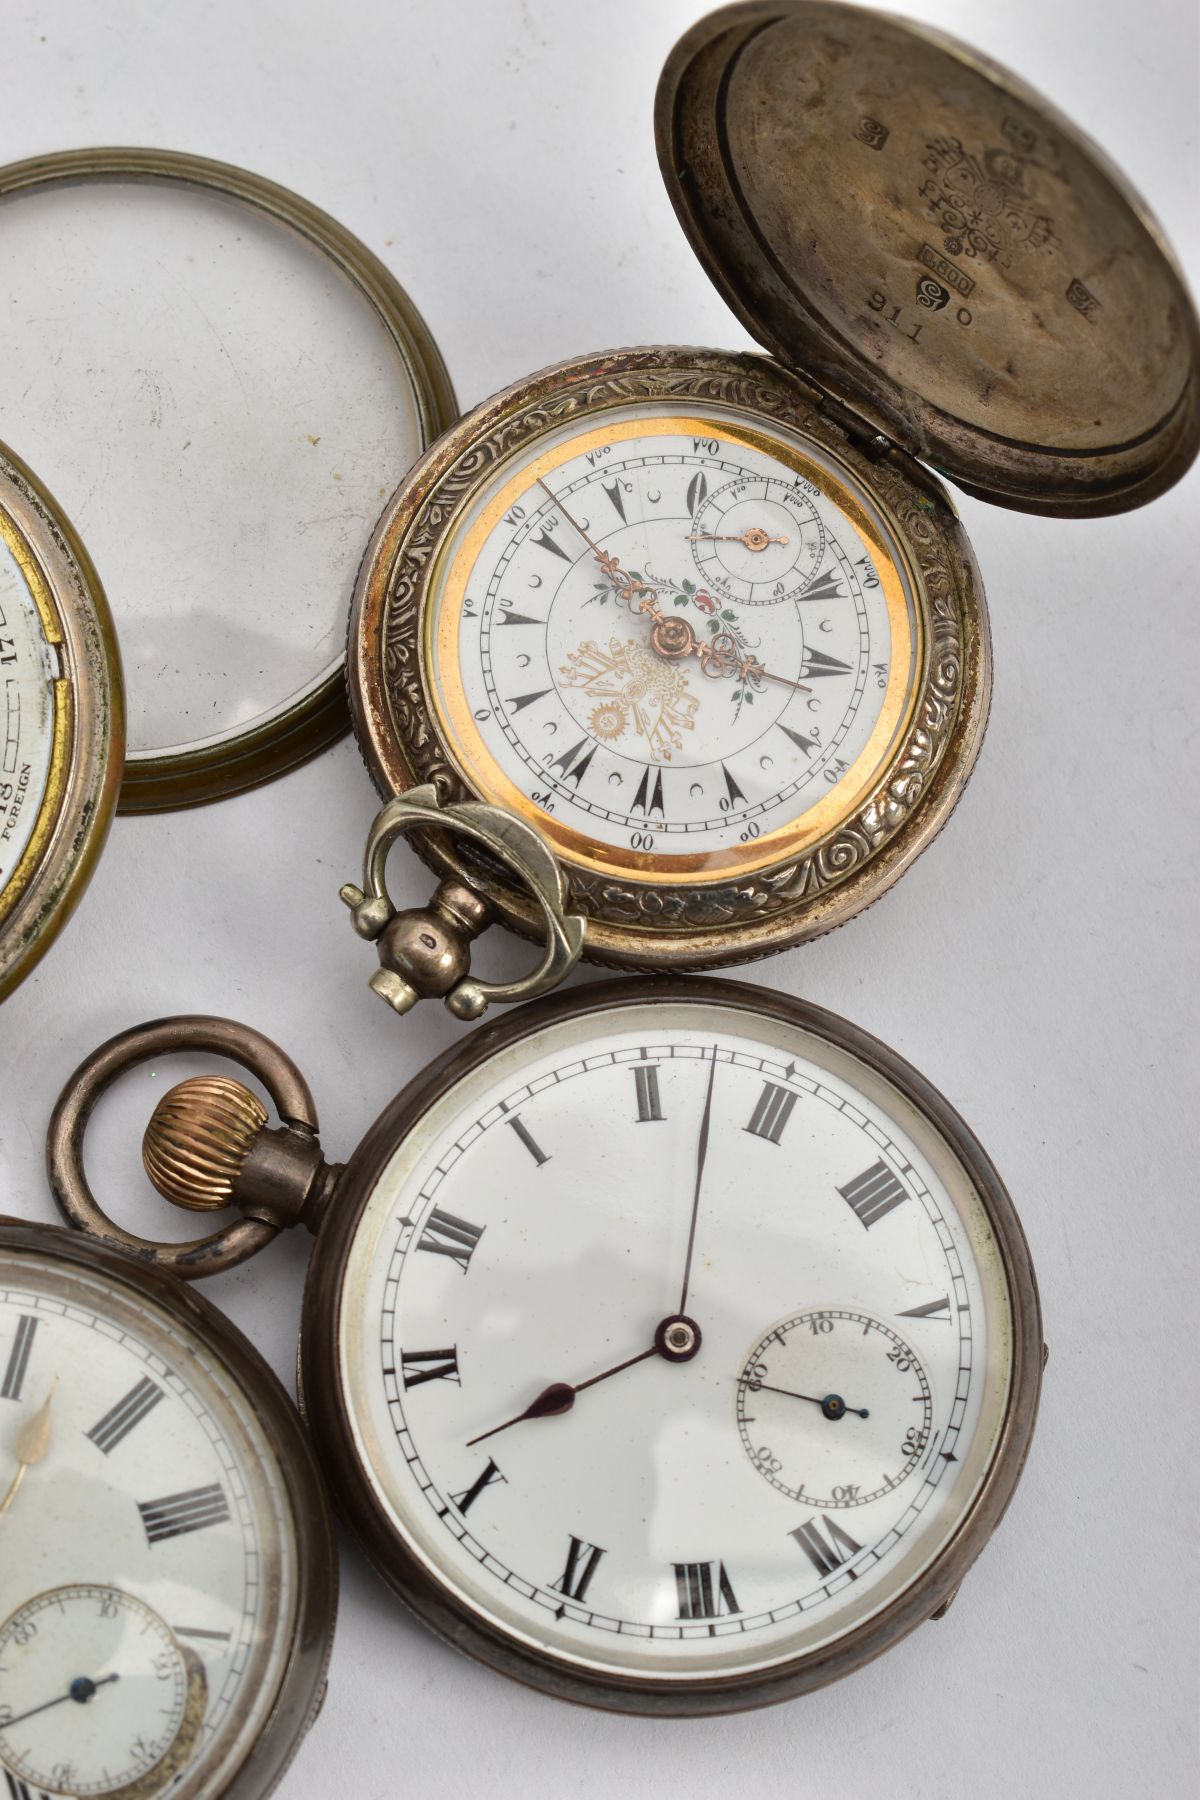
x=300, y=726
x=408, y=1577
x=78, y=810
x=396, y=724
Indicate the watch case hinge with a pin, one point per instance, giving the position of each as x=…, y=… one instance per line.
x=874, y=443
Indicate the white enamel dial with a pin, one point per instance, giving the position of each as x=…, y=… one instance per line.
x=559, y=696
x=549, y=1391
x=144, y=1523
x=116, y=1717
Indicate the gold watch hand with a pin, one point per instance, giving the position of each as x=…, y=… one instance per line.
x=754, y=539
x=783, y=680
x=673, y=637
x=591, y=543
x=33, y=1441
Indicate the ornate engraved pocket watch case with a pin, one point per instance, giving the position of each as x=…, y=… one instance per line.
x=657, y=1452
x=168, y=1575
x=707, y=624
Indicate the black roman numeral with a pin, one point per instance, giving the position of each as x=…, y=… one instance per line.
x=446, y=1235
x=466, y=1500
x=18, y=1357
x=613, y=490
x=826, y=587
x=516, y=618
x=573, y=763
x=807, y=744
x=582, y=1562
x=21, y=1790
x=826, y=1554
x=442, y=1365
x=817, y=664
x=873, y=1194
x=704, y=1591
x=176, y=1514
x=544, y=541
x=649, y=799
x=772, y=1112
x=649, y=1104
x=526, y=1136
x=930, y=1310
x=128, y=1412
x=520, y=701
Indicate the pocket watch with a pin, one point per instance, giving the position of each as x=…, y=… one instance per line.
x=672, y=1347
x=705, y=624
x=168, y=1578
x=61, y=719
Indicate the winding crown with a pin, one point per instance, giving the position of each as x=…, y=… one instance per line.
x=198, y=1139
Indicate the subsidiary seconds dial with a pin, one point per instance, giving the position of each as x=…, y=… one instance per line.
x=834, y=1408
x=758, y=539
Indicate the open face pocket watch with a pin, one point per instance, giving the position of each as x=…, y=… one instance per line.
x=704, y=627
x=168, y=1578
x=672, y=1346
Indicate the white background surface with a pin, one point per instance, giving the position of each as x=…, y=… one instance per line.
x=1039, y=963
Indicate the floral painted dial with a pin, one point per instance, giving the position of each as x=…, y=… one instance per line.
x=558, y=1299
x=147, y=1555
x=675, y=639
x=98, y=1692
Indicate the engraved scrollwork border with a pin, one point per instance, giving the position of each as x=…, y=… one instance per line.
x=641, y=924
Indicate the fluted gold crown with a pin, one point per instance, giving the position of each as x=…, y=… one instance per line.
x=198, y=1139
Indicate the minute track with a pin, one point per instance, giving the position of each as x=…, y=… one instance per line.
x=599, y=685
x=482, y=1534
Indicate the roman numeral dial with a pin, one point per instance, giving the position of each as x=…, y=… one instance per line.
x=672, y=645
x=142, y=1480
x=709, y=1374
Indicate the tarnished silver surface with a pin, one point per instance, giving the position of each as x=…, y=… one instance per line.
x=425, y=952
